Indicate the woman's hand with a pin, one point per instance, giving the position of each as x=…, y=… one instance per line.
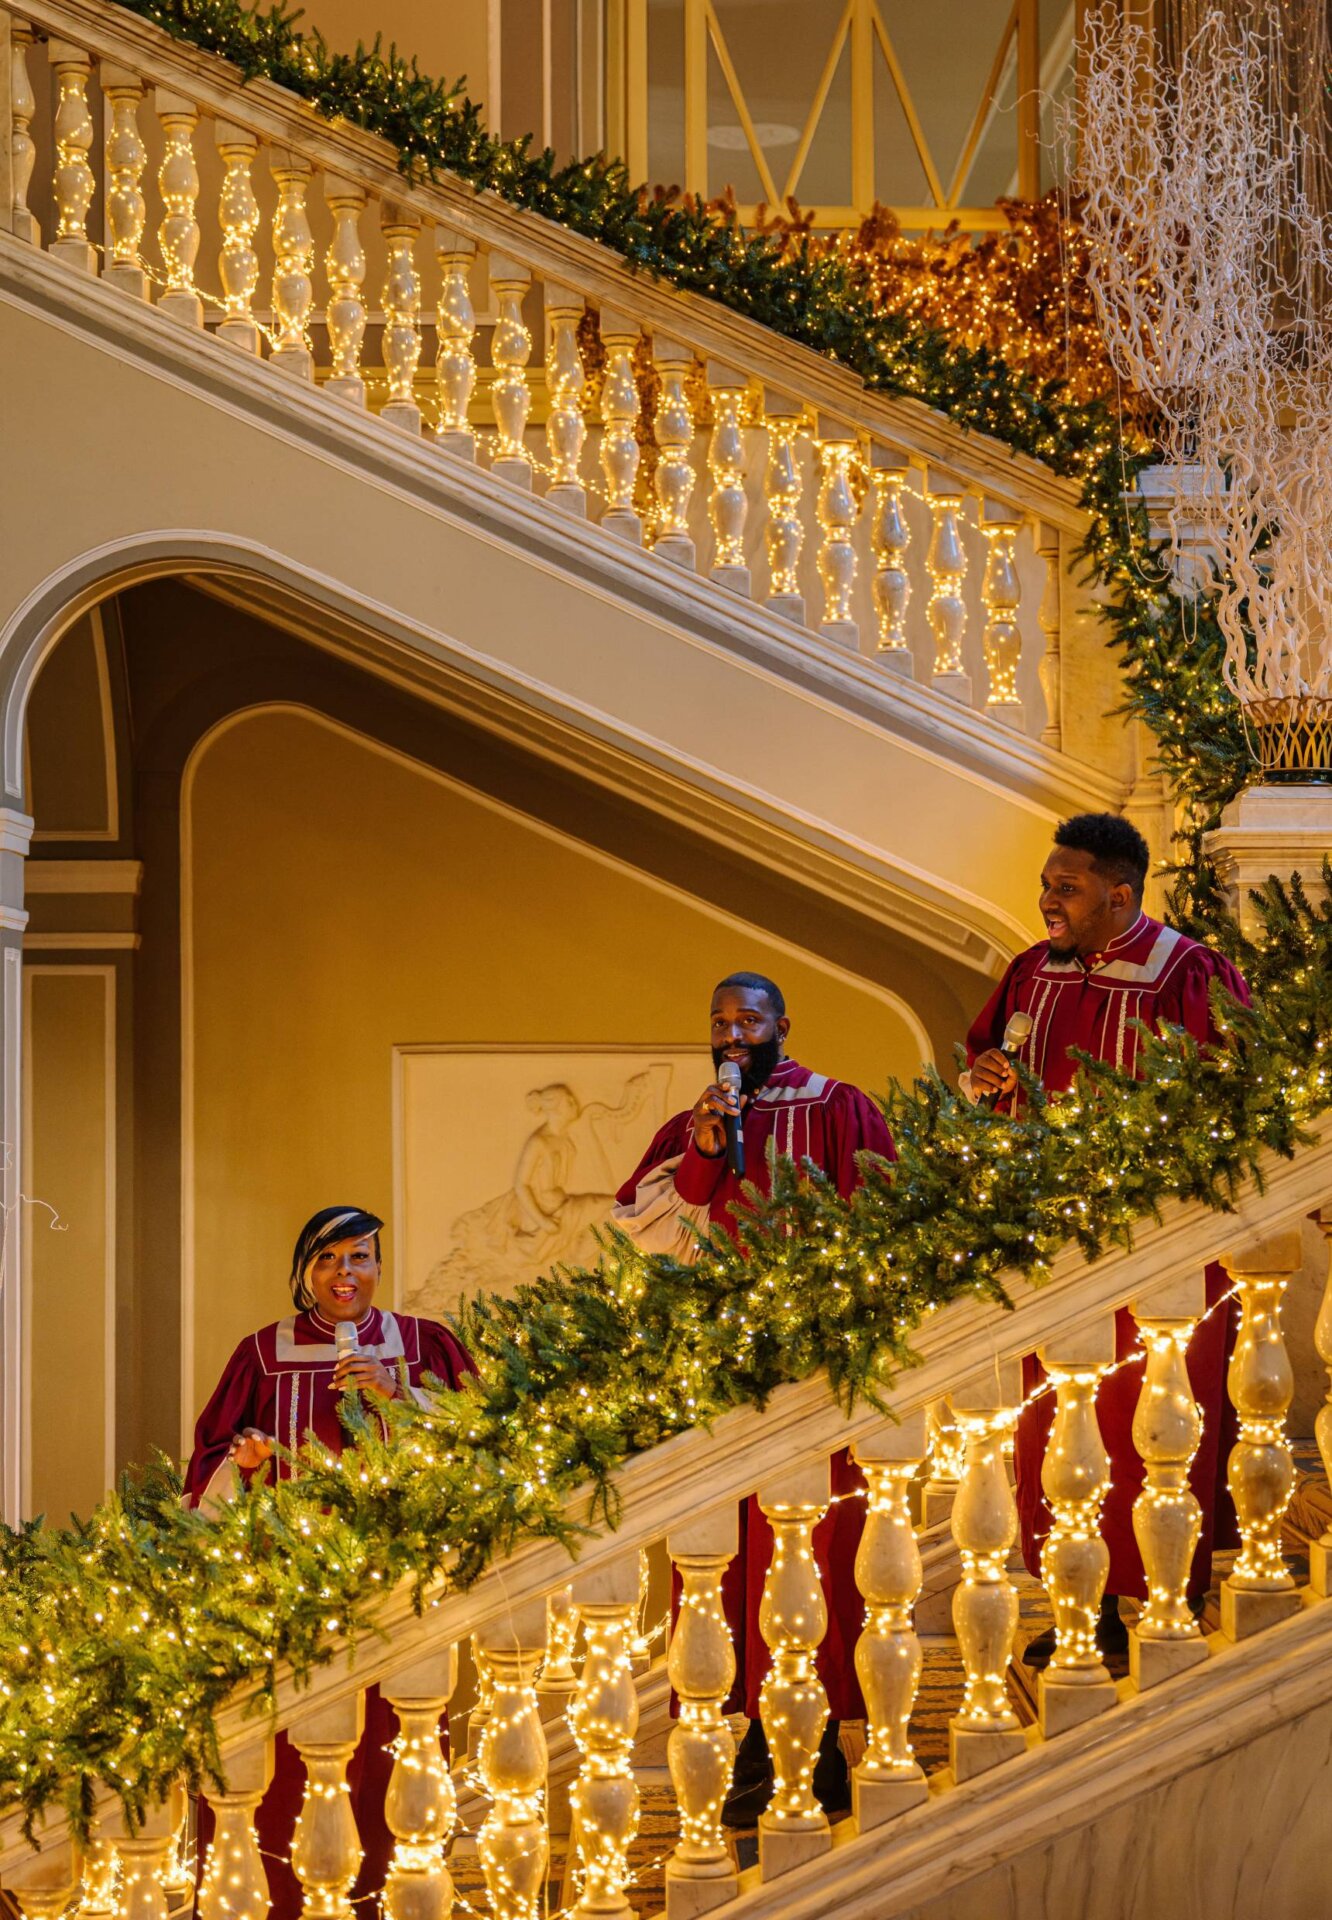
x=250, y=1449
x=359, y=1373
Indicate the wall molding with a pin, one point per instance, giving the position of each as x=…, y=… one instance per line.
x=83, y=876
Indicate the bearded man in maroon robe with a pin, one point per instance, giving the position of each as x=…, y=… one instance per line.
x=682, y=1184
x=1103, y=966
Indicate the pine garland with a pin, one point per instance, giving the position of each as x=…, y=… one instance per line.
x=122, y=1635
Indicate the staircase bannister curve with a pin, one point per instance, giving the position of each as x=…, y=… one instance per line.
x=686, y=1490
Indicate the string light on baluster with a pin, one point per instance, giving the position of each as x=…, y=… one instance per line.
x=74, y=182
x=402, y=316
x=603, y=1719
x=566, y=385
x=126, y=158
x=178, y=183
x=1001, y=592
x=344, y=263
x=673, y=429
x=784, y=536
x=238, y=216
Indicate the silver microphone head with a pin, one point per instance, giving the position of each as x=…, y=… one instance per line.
x=1017, y=1032
x=345, y=1338
x=729, y=1076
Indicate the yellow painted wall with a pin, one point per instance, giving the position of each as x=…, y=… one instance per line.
x=340, y=900
x=68, y=1108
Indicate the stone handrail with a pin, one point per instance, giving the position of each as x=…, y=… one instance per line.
x=879, y=506
x=685, y=1491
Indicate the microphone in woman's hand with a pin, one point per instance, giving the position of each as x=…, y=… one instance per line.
x=346, y=1340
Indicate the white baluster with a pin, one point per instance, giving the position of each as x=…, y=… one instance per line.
x=986, y=1730
x=619, y=418
x=728, y=503
x=402, y=316
x=890, y=538
x=238, y=217
x=673, y=429
x=420, y=1806
x=1075, y=1561
x=41, y=1883
x=837, y=520
x=178, y=184
x=513, y=1843
x=126, y=158
x=234, y=1885
x=566, y=384
x=1001, y=591
x=793, y=1619
x=510, y=351
x=455, y=320
x=293, y=259
x=344, y=264
x=700, y=1752
x=1167, y=1519
x=604, y=1719
x=326, y=1849
x=559, y=1676
x=947, y=564
x=1260, y=1589
x=479, y=1717
x=1320, y=1553
x=22, y=149
x=144, y=1854
x=889, y=1779
x=784, y=535
x=1050, y=621
x=99, y=1891
x=74, y=183
x=947, y=1463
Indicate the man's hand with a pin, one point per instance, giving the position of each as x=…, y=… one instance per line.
x=992, y=1072
x=358, y=1372
x=250, y=1449
x=709, y=1118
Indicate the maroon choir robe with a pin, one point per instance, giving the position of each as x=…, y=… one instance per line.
x=676, y=1188
x=1153, y=974
x=280, y=1380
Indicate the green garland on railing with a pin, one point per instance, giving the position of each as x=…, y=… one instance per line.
x=121, y=1635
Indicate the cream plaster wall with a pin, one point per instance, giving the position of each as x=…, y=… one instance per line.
x=339, y=899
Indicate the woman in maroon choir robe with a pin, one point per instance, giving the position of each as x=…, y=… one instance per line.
x=1105, y=965
x=281, y=1385
x=683, y=1183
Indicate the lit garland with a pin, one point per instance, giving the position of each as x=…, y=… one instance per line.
x=123, y=1634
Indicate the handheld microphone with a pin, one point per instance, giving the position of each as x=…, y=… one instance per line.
x=728, y=1076
x=1016, y=1035
x=345, y=1338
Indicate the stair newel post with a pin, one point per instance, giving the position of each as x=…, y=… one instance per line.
x=293, y=259
x=178, y=183
x=793, y=1619
x=889, y=1778
x=234, y=1885
x=947, y=564
x=1050, y=620
x=566, y=384
x=604, y=1719
x=22, y=147
x=890, y=538
x=73, y=129
x=986, y=1731
x=1260, y=1589
x=700, y=1752
x=455, y=323
x=326, y=1848
x=126, y=158
x=1075, y=1562
x=42, y=1884
x=1167, y=1520
x=1320, y=1553
x=837, y=521
x=420, y=1806
x=402, y=315
x=619, y=421
x=513, y=1843
x=510, y=351
x=1001, y=592
x=673, y=429
x=344, y=266
x=784, y=533
x=145, y=1852
x=238, y=217
x=728, y=502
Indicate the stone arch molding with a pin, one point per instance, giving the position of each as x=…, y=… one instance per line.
x=924, y=906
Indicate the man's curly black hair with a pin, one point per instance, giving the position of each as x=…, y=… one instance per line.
x=1118, y=851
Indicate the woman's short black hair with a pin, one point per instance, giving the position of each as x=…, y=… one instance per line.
x=325, y=1229
x=1118, y=851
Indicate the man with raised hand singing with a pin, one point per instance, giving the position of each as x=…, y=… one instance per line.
x=685, y=1181
x=1103, y=966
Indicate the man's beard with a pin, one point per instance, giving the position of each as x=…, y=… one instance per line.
x=764, y=1056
